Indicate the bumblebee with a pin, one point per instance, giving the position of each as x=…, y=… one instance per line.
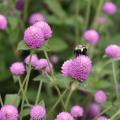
x=80, y=50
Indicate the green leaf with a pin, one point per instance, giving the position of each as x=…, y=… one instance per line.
x=25, y=112
x=22, y=46
x=42, y=78
x=55, y=7
x=13, y=99
x=15, y=78
x=13, y=21
x=57, y=45
x=62, y=81
x=42, y=103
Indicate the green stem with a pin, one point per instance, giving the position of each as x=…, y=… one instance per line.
x=27, y=79
x=104, y=111
x=68, y=98
x=59, y=93
x=115, y=80
x=46, y=55
x=25, y=13
x=57, y=89
x=87, y=14
x=1, y=102
x=115, y=115
x=53, y=77
x=21, y=87
x=39, y=92
x=57, y=102
x=97, y=13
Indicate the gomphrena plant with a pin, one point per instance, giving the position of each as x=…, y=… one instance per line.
x=60, y=79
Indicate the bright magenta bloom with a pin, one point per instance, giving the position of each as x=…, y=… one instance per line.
x=37, y=112
x=109, y=8
x=64, y=116
x=93, y=110
x=102, y=118
x=36, y=17
x=100, y=96
x=66, y=68
x=3, y=22
x=91, y=36
x=17, y=68
x=41, y=64
x=34, y=60
x=113, y=51
x=8, y=112
x=46, y=29
x=80, y=68
x=77, y=111
x=34, y=37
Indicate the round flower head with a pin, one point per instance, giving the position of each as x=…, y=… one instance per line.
x=93, y=110
x=45, y=28
x=64, y=116
x=20, y=5
x=81, y=67
x=17, y=68
x=8, y=112
x=101, y=20
x=102, y=118
x=100, y=96
x=48, y=68
x=37, y=112
x=54, y=59
x=109, y=8
x=91, y=36
x=34, y=60
x=77, y=111
x=34, y=37
x=113, y=51
x=3, y=22
x=36, y=17
x=41, y=64
x=66, y=68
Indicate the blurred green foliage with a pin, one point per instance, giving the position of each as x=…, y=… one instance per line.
x=67, y=19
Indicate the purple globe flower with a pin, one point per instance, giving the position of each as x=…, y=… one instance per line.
x=36, y=17
x=64, y=116
x=77, y=111
x=49, y=68
x=93, y=110
x=17, y=69
x=80, y=68
x=113, y=51
x=34, y=60
x=8, y=112
x=101, y=20
x=41, y=64
x=109, y=8
x=37, y=112
x=100, y=96
x=20, y=5
x=66, y=68
x=3, y=22
x=45, y=28
x=34, y=37
x=102, y=118
x=54, y=59
x=91, y=36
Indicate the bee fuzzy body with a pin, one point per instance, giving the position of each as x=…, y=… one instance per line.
x=80, y=50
